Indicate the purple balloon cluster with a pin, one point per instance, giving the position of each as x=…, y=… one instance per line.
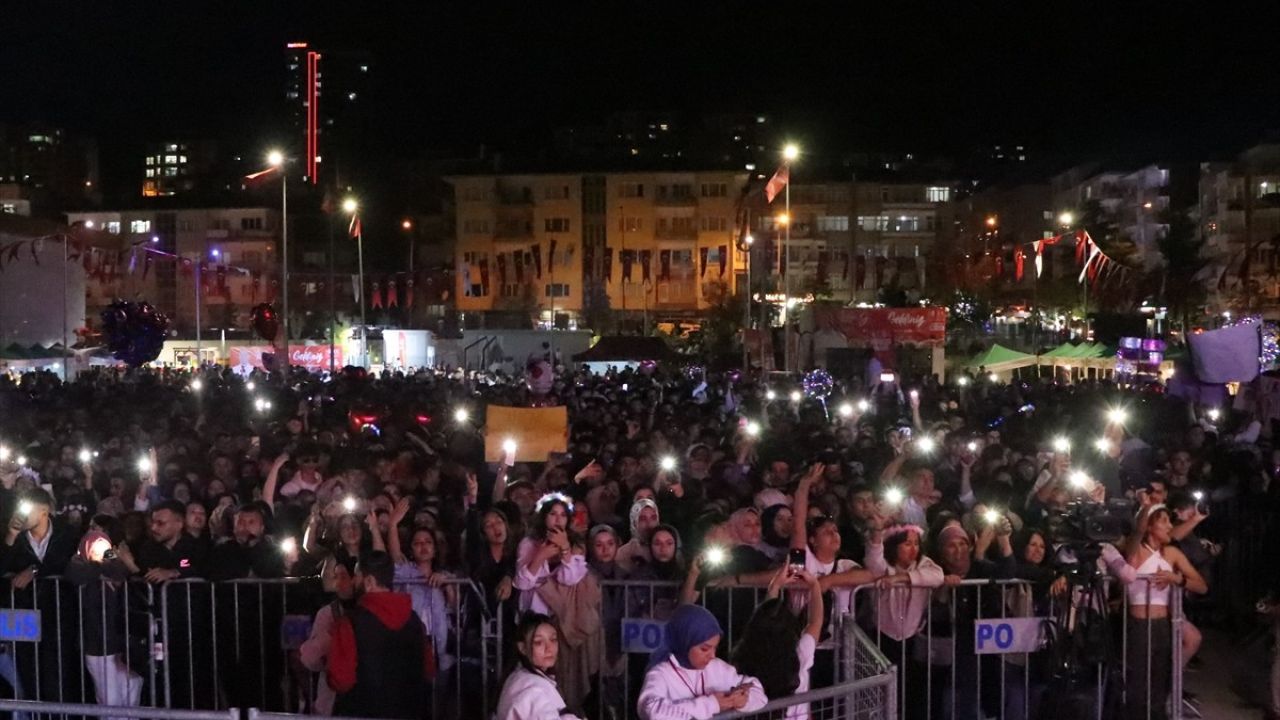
x=134, y=332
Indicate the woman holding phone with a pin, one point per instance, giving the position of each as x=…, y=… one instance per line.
x=685, y=679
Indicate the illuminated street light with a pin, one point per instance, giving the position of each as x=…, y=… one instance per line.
x=1066, y=219
x=349, y=205
x=790, y=152
x=275, y=158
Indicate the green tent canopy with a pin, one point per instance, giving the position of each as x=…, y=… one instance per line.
x=999, y=357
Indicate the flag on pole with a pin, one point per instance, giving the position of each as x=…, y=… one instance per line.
x=353, y=229
x=776, y=183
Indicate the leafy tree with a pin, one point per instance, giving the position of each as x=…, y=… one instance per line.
x=1180, y=251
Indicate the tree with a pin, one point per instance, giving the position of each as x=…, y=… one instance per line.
x=1180, y=252
x=596, y=311
x=721, y=324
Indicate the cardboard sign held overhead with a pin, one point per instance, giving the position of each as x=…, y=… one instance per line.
x=536, y=431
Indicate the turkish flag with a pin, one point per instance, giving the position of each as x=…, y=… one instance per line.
x=776, y=183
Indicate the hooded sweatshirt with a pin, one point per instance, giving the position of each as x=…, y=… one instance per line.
x=379, y=659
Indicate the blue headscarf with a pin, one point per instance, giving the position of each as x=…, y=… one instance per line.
x=689, y=626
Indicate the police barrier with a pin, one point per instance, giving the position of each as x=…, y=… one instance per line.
x=1008, y=649
x=634, y=614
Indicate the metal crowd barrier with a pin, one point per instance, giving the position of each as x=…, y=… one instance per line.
x=941, y=675
x=633, y=611
x=194, y=644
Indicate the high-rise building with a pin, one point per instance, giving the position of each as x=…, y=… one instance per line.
x=324, y=94
x=1133, y=200
x=176, y=167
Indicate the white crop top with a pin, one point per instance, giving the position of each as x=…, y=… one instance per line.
x=1142, y=591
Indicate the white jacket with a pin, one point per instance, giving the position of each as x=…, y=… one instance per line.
x=675, y=693
x=530, y=696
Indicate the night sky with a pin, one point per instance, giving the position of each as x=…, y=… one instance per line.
x=1066, y=78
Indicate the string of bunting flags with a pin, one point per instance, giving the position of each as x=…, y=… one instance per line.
x=106, y=265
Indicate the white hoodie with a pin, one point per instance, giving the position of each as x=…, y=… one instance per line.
x=530, y=696
x=672, y=692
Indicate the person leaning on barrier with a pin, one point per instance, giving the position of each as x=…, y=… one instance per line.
x=100, y=574
x=34, y=544
x=168, y=553
x=1159, y=567
x=378, y=654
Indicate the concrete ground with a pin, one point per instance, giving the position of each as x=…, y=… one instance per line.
x=1231, y=679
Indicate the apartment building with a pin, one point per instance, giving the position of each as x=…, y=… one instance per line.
x=1133, y=200
x=544, y=244
x=852, y=240
x=230, y=254
x=1239, y=208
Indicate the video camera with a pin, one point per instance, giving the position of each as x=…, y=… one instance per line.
x=1086, y=524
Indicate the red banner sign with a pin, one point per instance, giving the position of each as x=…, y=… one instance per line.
x=881, y=328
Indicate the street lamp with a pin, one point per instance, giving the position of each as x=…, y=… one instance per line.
x=1066, y=218
x=991, y=221
x=276, y=160
x=789, y=154
x=747, y=241
x=350, y=206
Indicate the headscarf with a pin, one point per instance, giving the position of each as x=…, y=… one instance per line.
x=636, y=507
x=608, y=570
x=688, y=627
x=736, y=522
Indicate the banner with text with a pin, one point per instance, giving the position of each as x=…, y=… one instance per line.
x=315, y=358
x=882, y=328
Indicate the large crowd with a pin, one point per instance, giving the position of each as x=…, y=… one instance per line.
x=367, y=499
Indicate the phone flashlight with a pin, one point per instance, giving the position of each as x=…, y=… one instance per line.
x=197, y=385
x=509, y=446
x=846, y=410
x=288, y=546
x=893, y=496
x=667, y=463
x=1061, y=444
x=1214, y=414
x=1078, y=479
x=1103, y=445
x=886, y=377
x=963, y=380
x=714, y=555
x=85, y=456
x=1117, y=416
x=864, y=405
x=753, y=429
x=461, y=415
x=250, y=386
x=144, y=464
x=991, y=516
x=972, y=446
x=795, y=396
x=25, y=507
x=349, y=503
x=925, y=444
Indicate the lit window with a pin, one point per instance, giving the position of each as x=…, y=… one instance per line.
x=9, y=209
x=151, y=160
x=182, y=158
x=139, y=226
x=556, y=225
x=937, y=194
x=151, y=173
x=170, y=159
x=833, y=223
x=171, y=148
x=113, y=227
